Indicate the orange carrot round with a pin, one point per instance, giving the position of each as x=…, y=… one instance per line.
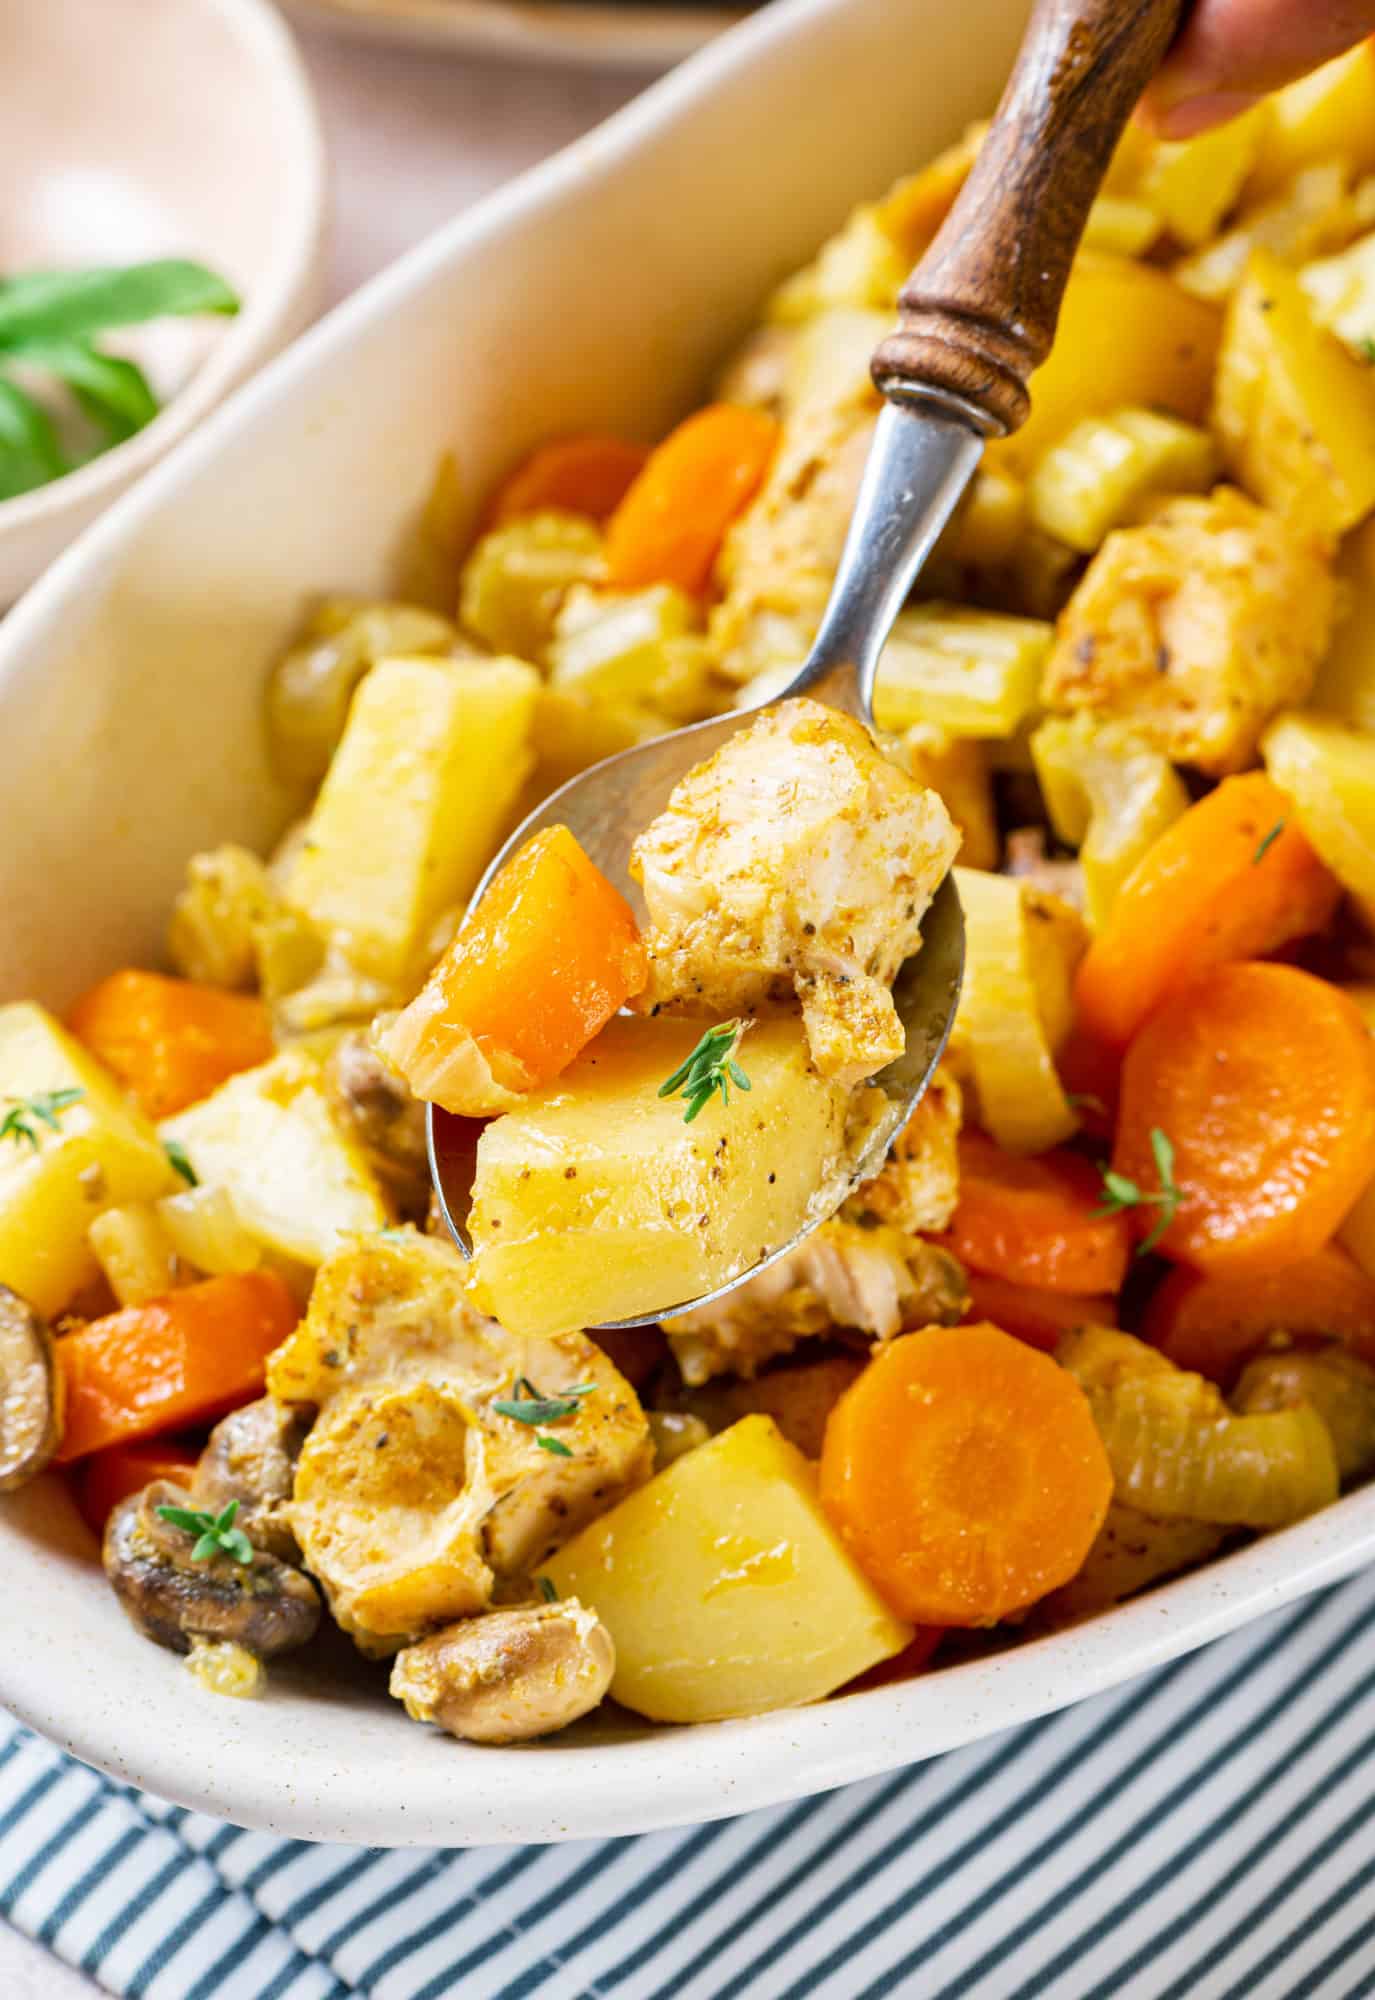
x=107, y=1477
x=964, y=1473
x=1036, y=1221
x=1212, y=1325
x=169, y=1041
x=158, y=1367
x=1040, y=1317
x=1262, y=1078
x=549, y=955
x=1233, y=878
x=588, y=474
x=670, y=525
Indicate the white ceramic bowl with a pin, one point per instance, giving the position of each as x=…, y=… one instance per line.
x=572, y=33
x=158, y=128
x=596, y=291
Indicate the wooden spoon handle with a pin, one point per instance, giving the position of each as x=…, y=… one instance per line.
x=979, y=311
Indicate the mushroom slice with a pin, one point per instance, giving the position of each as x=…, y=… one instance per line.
x=264, y=1605
x=251, y=1457
x=508, y=1675
x=30, y=1412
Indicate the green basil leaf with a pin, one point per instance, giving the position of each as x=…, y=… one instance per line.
x=72, y=305
x=114, y=393
x=30, y=454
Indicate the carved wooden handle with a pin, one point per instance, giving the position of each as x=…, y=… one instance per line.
x=979, y=311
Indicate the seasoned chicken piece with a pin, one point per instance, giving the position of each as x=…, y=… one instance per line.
x=920, y=1183
x=1197, y=626
x=510, y=1675
x=871, y=1281
x=796, y=860
x=415, y=1493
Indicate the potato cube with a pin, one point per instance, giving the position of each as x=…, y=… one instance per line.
x=1346, y=679
x=1098, y=475
x=1192, y=183
x=614, y=647
x=1195, y=627
x=431, y=762
x=1110, y=794
x=1312, y=215
x=60, y=1171
x=297, y=1180
x=517, y=577
x=724, y=1586
x=1328, y=769
x=135, y=1252
x=975, y=673
x=1330, y=113
x=956, y=768
x=1294, y=411
x=204, y=1229
x=1341, y=292
x=1121, y=225
x=596, y=1200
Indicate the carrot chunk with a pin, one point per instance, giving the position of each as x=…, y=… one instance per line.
x=670, y=525
x=549, y=955
x=109, y=1476
x=1211, y=1325
x=1262, y=1078
x=588, y=474
x=158, y=1367
x=1233, y=878
x=1034, y=1314
x=169, y=1041
x=1036, y=1221
x=965, y=1475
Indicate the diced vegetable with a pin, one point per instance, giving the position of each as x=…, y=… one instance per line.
x=1099, y=474
x=572, y=730
x=169, y=1041
x=172, y=1362
x=670, y=525
x=597, y=1195
x=549, y=955
x=298, y=1181
x=975, y=673
x=1311, y=214
x=518, y=575
x=1191, y=184
x=618, y=648
x=1036, y=1222
x=988, y=527
x=435, y=753
x=1034, y=1314
x=956, y=767
x=72, y=1146
x=135, y=1253
x=964, y=1473
x=112, y=1475
x=204, y=1228
x=1335, y=1384
x=588, y=474
x=1021, y=949
x=725, y=1588
x=1212, y=1325
x=1327, y=767
x=1331, y=112
x=231, y=927
x=1293, y=409
x=1345, y=686
x=1108, y=793
x=1341, y=292
x=311, y=687
x=1233, y=878
x=1263, y=1080
x=860, y=266
x=1121, y=226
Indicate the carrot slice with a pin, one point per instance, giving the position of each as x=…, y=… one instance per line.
x=578, y=475
x=158, y=1367
x=670, y=525
x=107, y=1477
x=169, y=1041
x=1040, y=1317
x=549, y=955
x=1036, y=1221
x=965, y=1475
x=1233, y=878
x=1211, y=1325
x=1262, y=1078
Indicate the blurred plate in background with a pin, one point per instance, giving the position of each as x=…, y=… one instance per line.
x=632, y=36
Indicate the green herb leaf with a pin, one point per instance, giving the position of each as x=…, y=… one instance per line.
x=1366, y=347
x=1267, y=843
x=217, y=1535
x=536, y=1409
x=30, y=454
x=26, y=1113
x=546, y=1589
x=710, y=1068
x=1084, y=1100
x=554, y=1446
x=114, y=393
x=72, y=305
x=176, y=1153
x=1120, y=1193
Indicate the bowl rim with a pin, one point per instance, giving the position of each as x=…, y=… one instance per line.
x=287, y=105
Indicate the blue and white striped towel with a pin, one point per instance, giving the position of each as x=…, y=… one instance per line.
x=1204, y=1834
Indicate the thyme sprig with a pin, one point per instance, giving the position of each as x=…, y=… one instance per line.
x=217, y=1534
x=1120, y=1193
x=710, y=1068
x=44, y=1108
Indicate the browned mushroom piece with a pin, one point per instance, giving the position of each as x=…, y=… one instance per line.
x=30, y=1406
x=251, y=1457
x=264, y=1605
x=385, y=1119
x=507, y=1676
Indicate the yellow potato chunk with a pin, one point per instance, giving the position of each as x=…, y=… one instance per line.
x=53, y=1186
x=725, y=1588
x=1121, y=225
x=517, y=577
x=956, y=768
x=1295, y=412
x=616, y=647
x=1328, y=769
x=1312, y=214
x=297, y=1181
x=975, y=673
x=1098, y=476
x=1345, y=685
x=136, y=1253
x=1195, y=627
x=1341, y=292
x=1108, y=793
x=597, y=1201
x=1192, y=183
x=1331, y=112
x=431, y=761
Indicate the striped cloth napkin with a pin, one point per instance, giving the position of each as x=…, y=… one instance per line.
x=1206, y=1833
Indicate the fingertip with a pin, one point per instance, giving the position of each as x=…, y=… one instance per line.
x=1187, y=117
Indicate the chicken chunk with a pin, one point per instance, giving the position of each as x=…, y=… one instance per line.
x=919, y=1185
x=796, y=860
x=510, y=1675
x=418, y=1490
x=870, y=1281
x=1197, y=626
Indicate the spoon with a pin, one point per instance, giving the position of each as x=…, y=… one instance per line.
x=978, y=315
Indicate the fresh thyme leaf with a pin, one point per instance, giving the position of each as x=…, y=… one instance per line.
x=1366, y=347
x=45, y=1108
x=710, y=1068
x=72, y=305
x=533, y=1408
x=30, y=454
x=547, y=1590
x=176, y=1153
x=1267, y=843
x=554, y=1446
x=1120, y=1193
x=216, y=1533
